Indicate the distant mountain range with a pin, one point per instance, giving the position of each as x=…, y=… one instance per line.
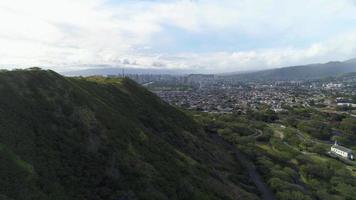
x=302, y=72
x=109, y=70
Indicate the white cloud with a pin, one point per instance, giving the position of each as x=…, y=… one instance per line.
x=63, y=34
x=342, y=47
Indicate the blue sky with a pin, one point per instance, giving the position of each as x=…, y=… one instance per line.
x=201, y=35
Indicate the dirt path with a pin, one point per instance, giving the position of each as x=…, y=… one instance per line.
x=265, y=191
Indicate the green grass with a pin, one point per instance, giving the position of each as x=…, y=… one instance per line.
x=16, y=159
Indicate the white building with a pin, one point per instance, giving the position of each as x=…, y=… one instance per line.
x=342, y=151
x=347, y=104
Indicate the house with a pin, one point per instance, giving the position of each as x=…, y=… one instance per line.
x=347, y=104
x=342, y=151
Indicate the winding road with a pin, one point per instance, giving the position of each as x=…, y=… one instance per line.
x=265, y=191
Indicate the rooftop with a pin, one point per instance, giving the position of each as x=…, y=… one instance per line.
x=341, y=148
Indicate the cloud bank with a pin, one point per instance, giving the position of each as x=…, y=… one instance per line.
x=202, y=35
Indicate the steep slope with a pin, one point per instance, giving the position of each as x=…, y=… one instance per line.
x=97, y=138
x=305, y=72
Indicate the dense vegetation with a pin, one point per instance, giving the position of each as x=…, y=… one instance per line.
x=109, y=138
x=100, y=138
x=290, y=149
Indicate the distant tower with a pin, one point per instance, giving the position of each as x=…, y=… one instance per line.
x=335, y=143
x=123, y=72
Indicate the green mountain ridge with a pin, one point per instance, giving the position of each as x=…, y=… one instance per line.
x=105, y=138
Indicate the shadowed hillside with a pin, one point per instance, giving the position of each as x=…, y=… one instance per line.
x=98, y=138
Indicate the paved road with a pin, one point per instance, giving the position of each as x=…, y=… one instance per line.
x=257, y=134
x=265, y=191
x=301, y=136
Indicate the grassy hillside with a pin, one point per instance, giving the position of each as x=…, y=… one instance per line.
x=98, y=138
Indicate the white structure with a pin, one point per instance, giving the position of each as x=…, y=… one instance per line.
x=347, y=104
x=342, y=151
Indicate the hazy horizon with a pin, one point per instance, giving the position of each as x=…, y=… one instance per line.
x=206, y=36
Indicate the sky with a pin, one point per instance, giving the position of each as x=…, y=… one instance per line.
x=208, y=36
